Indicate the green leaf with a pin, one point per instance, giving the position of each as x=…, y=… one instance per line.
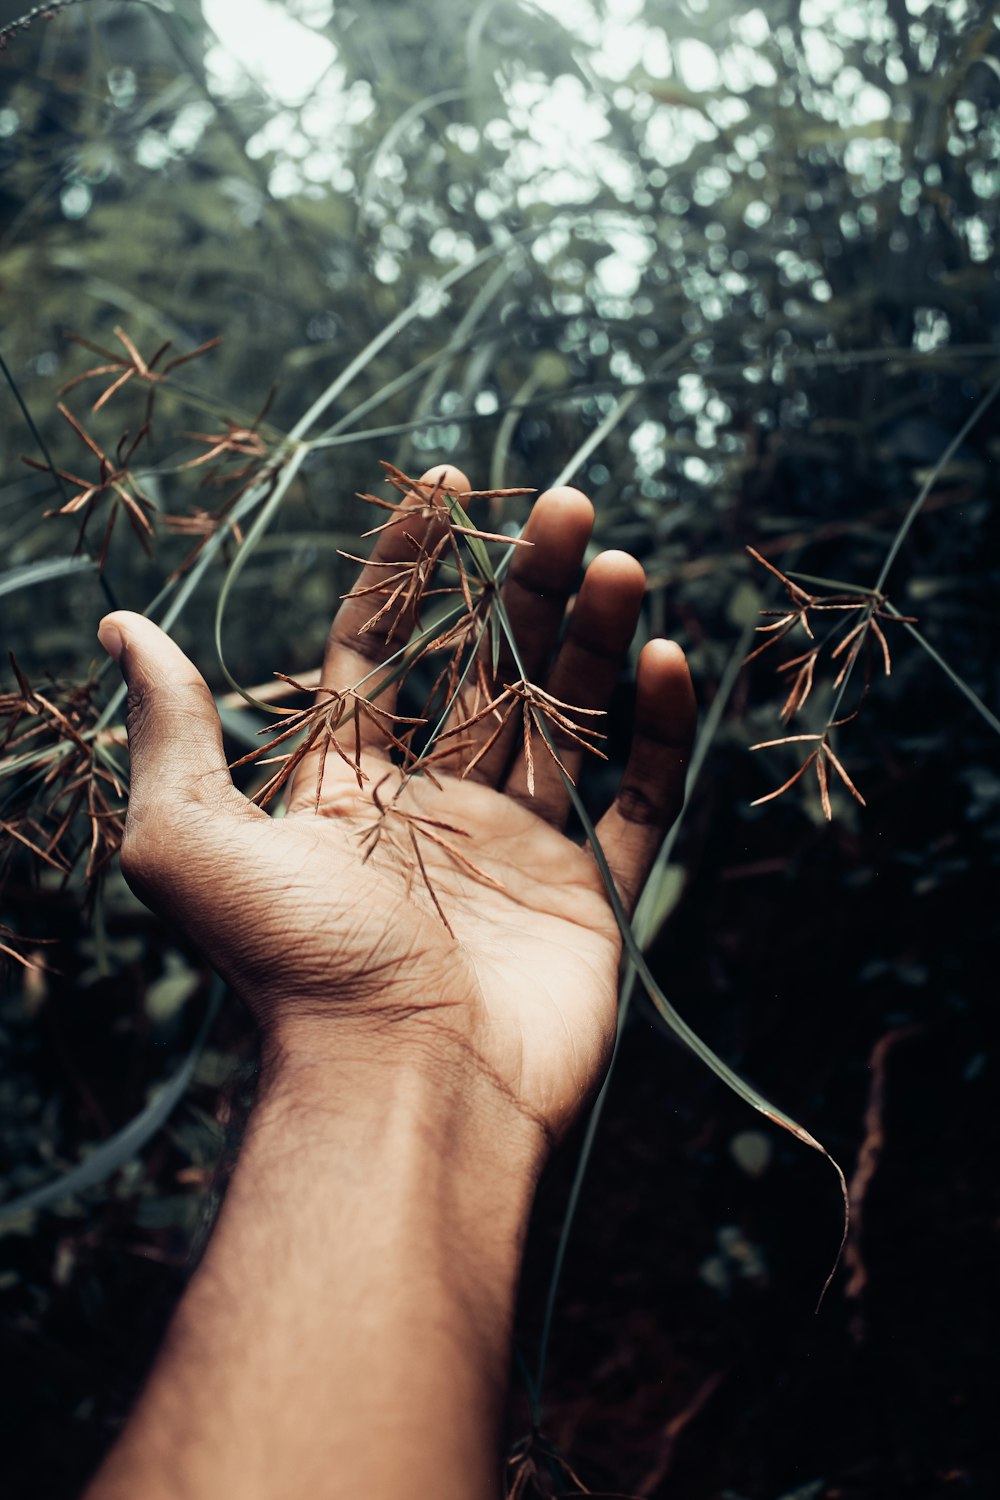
x=28, y=574
x=744, y=605
x=663, y=895
x=168, y=995
x=475, y=544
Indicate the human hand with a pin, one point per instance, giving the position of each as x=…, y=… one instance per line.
x=341, y=957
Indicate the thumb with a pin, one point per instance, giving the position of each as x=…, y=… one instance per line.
x=174, y=733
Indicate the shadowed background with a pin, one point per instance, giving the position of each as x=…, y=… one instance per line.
x=735, y=266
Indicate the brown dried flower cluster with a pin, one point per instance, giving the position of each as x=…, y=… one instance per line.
x=536, y=707
x=857, y=627
x=131, y=366
x=450, y=559
x=393, y=823
x=67, y=805
x=822, y=757
x=318, y=726
x=537, y=1471
x=239, y=458
x=115, y=484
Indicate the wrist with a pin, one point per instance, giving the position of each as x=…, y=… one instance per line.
x=443, y=1141
x=442, y=1175
x=413, y=1077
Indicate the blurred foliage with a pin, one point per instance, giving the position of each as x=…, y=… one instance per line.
x=756, y=244
x=771, y=194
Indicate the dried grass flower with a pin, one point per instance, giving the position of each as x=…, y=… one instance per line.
x=114, y=481
x=858, y=627
x=318, y=725
x=541, y=713
x=130, y=366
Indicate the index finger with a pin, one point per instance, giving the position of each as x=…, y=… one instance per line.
x=378, y=616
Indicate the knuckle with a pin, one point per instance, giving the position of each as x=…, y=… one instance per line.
x=136, y=714
x=637, y=806
x=164, y=849
x=138, y=860
x=146, y=848
x=370, y=644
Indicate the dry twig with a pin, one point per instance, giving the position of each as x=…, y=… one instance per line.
x=77, y=781
x=390, y=817
x=318, y=724
x=536, y=706
x=114, y=479
x=131, y=366
x=869, y=1156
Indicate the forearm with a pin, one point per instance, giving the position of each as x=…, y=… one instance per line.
x=348, y=1330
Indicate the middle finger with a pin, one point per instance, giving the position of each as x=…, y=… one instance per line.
x=535, y=593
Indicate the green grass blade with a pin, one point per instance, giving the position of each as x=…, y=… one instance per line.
x=621, y=409
x=477, y=547
x=402, y=319
x=396, y=130
x=463, y=338
x=508, y=426
x=689, y=1037
x=680, y=1028
x=127, y=1142
x=646, y=929
x=949, y=671
x=495, y=638
x=459, y=685
x=836, y=584
x=28, y=574
x=931, y=481
x=261, y=522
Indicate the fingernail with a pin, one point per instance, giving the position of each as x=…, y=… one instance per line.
x=111, y=639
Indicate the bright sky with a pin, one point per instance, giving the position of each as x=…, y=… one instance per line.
x=276, y=44
x=285, y=56
x=547, y=119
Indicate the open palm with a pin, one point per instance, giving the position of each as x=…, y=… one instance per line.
x=451, y=912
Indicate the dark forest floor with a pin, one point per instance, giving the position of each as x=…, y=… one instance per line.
x=686, y=1360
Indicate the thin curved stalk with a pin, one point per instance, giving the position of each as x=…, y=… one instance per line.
x=273, y=498
x=471, y=417
x=903, y=531
x=52, y=8
x=959, y=681
x=680, y=1028
x=645, y=933
x=296, y=439
x=261, y=522
x=621, y=409
x=508, y=426
x=182, y=589
x=43, y=448
x=399, y=322
x=459, y=341
x=949, y=671
x=392, y=135
x=931, y=481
